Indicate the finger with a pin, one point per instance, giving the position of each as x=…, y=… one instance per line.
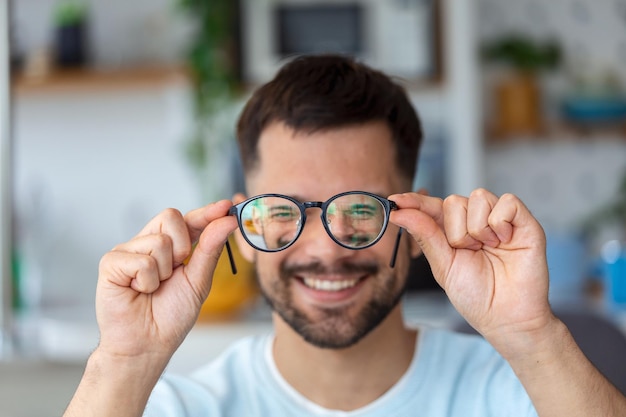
x=479, y=207
x=424, y=228
x=197, y=220
x=202, y=263
x=510, y=217
x=124, y=269
x=170, y=222
x=432, y=206
x=157, y=246
x=455, y=223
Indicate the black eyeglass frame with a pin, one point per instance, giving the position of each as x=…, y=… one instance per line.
x=388, y=205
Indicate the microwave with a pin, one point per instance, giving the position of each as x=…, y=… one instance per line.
x=399, y=37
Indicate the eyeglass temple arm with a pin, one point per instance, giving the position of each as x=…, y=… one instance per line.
x=231, y=259
x=231, y=212
x=395, y=249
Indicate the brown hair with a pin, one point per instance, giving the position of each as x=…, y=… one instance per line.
x=318, y=92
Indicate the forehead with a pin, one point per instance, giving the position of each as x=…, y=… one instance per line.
x=320, y=164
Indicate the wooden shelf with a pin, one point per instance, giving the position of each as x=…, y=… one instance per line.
x=560, y=130
x=91, y=79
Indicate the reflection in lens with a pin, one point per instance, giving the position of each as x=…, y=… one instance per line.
x=355, y=220
x=271, y=222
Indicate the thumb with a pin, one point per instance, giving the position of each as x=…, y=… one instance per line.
x=199, y=270
x=420, y=222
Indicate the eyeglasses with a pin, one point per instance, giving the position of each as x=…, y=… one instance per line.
x=273, y=222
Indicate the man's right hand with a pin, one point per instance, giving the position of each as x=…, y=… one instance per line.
x=148, y=297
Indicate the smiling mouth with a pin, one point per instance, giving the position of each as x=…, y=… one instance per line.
x=330, y=286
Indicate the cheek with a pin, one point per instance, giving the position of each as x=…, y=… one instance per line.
x=403, y=261
x=267, y=267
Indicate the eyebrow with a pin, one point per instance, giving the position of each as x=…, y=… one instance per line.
x=363, y=205
x=280, y=207
x=302, y=200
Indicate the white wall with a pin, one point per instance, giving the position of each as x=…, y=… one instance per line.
x=90, y=171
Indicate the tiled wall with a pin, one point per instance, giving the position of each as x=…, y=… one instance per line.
x=592, y=33
x=562, y=181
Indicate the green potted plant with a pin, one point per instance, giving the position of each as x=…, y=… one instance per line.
x=518, y=96
x=209, y=58
x=70, y=26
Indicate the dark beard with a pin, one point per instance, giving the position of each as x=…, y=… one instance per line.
x=336, y=330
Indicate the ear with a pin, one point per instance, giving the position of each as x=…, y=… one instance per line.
x=245, y=249
x=415, y=249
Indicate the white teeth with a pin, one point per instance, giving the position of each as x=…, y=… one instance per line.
x=325, y=285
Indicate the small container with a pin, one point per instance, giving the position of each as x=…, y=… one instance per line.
x=614, y=265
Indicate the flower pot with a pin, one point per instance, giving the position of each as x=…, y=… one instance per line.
x=71, y=45
x=517, y=105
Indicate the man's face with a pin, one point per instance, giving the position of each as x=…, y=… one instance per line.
x=332, y=296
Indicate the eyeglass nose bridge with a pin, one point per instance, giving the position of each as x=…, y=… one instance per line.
x=323, y=206
x=303, y=207
x=313, y=204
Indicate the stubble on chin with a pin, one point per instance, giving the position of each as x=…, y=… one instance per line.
x=337, y=327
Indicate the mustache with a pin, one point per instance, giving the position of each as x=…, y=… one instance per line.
x=317, y=268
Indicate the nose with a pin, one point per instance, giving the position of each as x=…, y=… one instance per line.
x=341, y=227
x=317, y=244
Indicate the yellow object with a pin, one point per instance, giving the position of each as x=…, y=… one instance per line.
x=230, y=293
x=518, y=106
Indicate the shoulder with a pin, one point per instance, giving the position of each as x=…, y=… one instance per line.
x=467, y=370
x=244, y=361
x=215, y=388
x=449, y=344
x=458, y=355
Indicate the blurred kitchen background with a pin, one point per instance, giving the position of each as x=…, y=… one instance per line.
x=123, y=108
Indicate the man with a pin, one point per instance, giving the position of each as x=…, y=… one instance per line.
x=330, y=135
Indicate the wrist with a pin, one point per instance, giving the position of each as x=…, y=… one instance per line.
x=116, y=385
x=543, y=337
x=147, y=366
x=558, y=377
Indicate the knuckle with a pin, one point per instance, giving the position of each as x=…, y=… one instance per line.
x=479, y=193
x=474, y=230
x=146, y=263
x=437, y=201
x=162, y=242
x=106, y=259
x=171, y=214
x=509, y=198
x=456, y=241
x=453, y=199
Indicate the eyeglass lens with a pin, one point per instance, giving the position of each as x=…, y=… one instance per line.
x=271, y=223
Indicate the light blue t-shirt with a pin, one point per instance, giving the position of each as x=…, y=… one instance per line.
x=450, y=375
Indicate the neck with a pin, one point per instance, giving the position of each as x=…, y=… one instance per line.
x=337, y=378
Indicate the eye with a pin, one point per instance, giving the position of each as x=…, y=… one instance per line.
x=361, y=211
x=283, y=213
